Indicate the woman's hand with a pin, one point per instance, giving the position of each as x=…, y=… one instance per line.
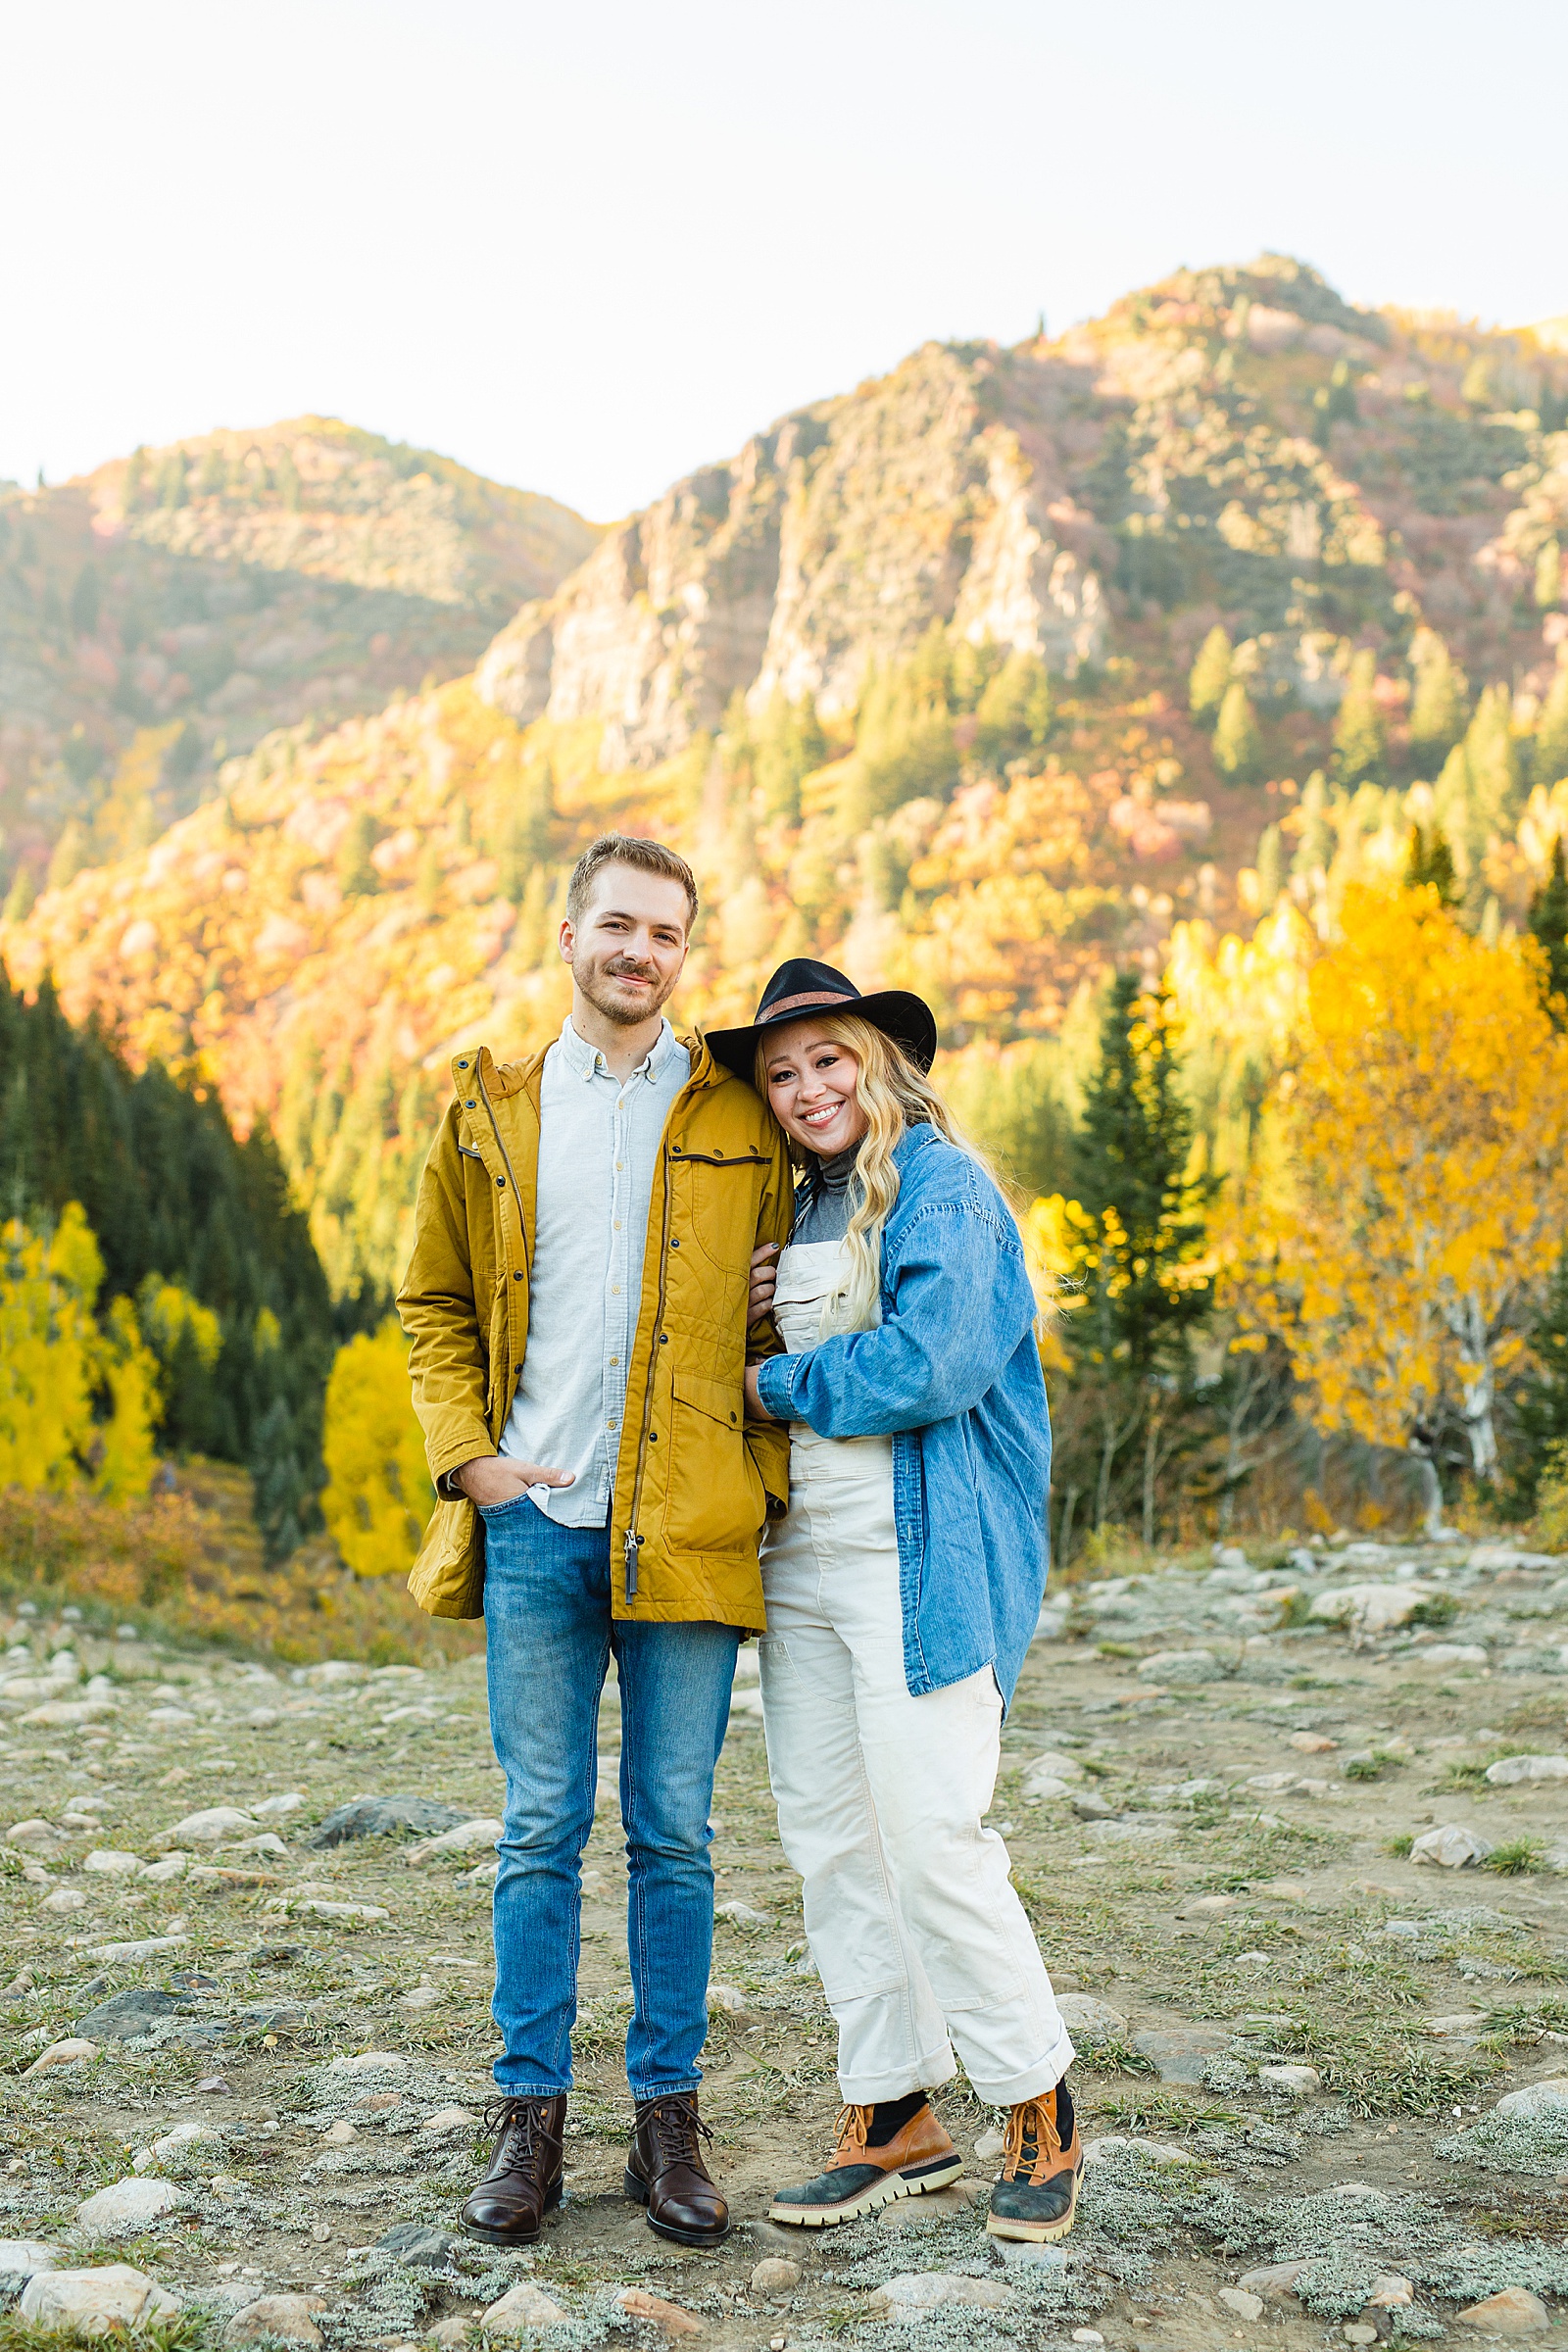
x=765, y=1275
x=756, y=1409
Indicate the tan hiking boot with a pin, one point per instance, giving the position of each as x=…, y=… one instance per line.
x=861, y=2176
x=1035, y=2196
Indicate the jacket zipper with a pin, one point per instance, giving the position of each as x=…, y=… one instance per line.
x=633, y=1539
x=495, y=1129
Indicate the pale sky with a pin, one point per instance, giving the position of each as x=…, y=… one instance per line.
x=586, y=247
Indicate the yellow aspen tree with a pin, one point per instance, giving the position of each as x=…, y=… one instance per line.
x=46, y=1354
x=1424, y=1187
x=378, y=1497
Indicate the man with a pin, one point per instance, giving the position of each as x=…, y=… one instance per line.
x=578, y=1302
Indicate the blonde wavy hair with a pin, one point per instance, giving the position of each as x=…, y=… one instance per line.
x=894, y=1094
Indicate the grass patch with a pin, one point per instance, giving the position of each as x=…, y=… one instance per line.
x=1161, y=2111
x=1399, y=1847
x=1441, y=1609
x=1114, y=2058
x=1515, y=1856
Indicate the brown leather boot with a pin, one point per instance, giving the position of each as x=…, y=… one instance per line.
x=665, y=2172
x=524, y=2183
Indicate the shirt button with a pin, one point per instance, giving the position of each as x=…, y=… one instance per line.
x=617, y=1224
x=614, y=1359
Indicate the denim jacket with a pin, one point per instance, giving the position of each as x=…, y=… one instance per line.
x=953, y=1373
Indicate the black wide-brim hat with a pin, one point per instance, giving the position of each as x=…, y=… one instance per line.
x=801, y=987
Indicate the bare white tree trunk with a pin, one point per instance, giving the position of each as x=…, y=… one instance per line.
x=1478, y=1394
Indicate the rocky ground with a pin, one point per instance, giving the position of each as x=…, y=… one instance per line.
x=1289, y=1827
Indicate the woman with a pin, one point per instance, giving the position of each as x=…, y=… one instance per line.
x=903, y=1590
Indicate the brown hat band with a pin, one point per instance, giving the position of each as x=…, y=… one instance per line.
x=796, y=1003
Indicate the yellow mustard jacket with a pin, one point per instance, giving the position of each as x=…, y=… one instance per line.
x=695, y=1479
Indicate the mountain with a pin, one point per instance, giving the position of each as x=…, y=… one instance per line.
x=984, y=677
x=171, y=608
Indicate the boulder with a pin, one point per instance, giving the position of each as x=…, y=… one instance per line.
x=1090, y=2020
x=1391, y=2292
x=1301, y=2082
x=1508, y=1771
x=418, y=2247
x=61, y=2053
x=209, y=1827
x=1451, y=1847
x=22, y=2257
x=913, y=2293
x=1371, y=1608
x=1550, y=2097
x=668, y=2315
x=1275, y=2281
x=1183, y=2053
x=521, y=2306
x=1243, y=2302
x=775, y=2275
x=1052, y=1765
x=291, y=2318
x=1513, y=2312
x=125, y=2207
x=92, y=2302
x=460, y=1838
x=1181, y=1666
x=113, y=1862
x=1158, y=2151
x=126, y=2016
x=385, y=1817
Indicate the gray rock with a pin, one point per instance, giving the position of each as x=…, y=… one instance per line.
x=384, y=1817
x=92, y=2302
x=1090, y=1807
x=22, y=2257
x=126, y=2207
x=1089, y=2021
x=913, y=2293
x=1513, y=2312
x=1181, y=1666
x=126, y=2016
x=1183, y=2053
x=1550, y=2097
x=418, y=2247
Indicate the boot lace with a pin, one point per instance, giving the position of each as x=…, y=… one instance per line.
x=676, y=2129
x=1031, y=2146
x=849, y=2133
x=522, y=2122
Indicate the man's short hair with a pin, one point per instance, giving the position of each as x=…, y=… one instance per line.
x=626, y=849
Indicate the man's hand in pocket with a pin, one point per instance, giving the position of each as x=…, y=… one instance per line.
x=498, y=1477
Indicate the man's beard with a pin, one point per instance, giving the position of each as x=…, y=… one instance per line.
x=597, y=983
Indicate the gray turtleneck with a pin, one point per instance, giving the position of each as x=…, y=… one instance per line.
x=829, y=1202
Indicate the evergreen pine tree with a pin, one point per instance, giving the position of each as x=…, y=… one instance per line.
x=1439, y=705
x=1550, y=751
x=1537, y=1405
x=1270, y=868
x=1210, y=675
x=1359, y=742
x=1132, y=1337
x=1430, y=859
x=1238, y=745
x=1548, y=920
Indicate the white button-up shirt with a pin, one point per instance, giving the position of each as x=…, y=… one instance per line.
x=599, y=1145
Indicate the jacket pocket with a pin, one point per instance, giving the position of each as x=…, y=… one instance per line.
x=716, y=1497
x=714, y=1201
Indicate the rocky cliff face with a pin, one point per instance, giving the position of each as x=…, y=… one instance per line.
x=832, y=541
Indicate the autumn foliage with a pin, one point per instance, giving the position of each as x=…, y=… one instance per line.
x=1423, y=1188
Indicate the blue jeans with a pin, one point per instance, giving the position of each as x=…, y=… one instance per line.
x=549, y=1637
